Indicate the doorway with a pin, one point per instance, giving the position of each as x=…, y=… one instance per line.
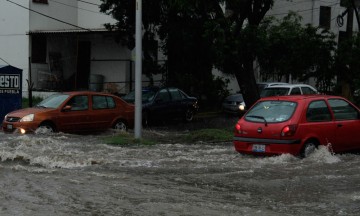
x=83, y=65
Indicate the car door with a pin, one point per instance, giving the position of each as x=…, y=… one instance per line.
x=178, y=104
x=104, y=112
x=160, y=109
x=320, y=123
x=77, y=117
x=347, y=124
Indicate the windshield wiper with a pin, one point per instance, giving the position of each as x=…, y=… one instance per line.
x=258, y=117
x=41, y=106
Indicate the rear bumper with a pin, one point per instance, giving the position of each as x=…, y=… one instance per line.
x=272, y=146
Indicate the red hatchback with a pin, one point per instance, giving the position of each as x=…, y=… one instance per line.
x=297, y=125
x=73, y=112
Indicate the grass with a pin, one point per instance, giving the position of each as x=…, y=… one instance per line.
x=210, y=135
x=202, y=135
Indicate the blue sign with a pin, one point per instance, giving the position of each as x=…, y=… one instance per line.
x=10, y=90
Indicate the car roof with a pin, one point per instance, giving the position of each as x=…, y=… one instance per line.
x=86, y=92
x=272, y=83
x=290, y=86
x=299, y=97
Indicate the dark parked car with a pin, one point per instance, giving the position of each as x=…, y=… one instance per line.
x=297, y=125
x=234, y=104
x=73, y=112
x=165, y=103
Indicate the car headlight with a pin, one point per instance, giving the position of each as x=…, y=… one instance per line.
x=27, y=118
x=242, y=106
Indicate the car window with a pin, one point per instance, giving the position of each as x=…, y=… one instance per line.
x=175, y=94
x=343, y=110
x=110, y=102
x=54, y=101
x=103, y=102
x=163, y=96
x=271, y=111
x=79, y=102
x=295, y=91
x=274, y=92
x=307, y=91
x=318, y=111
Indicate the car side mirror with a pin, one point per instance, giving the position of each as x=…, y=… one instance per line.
x=66, y=108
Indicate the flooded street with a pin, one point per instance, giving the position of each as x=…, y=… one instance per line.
x=64, y=174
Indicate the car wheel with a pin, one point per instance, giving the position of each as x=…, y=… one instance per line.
x=120, y=126
x=189, y=115
x=308, y=149
x=45, y=128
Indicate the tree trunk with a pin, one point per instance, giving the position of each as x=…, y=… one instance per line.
x=247, y=82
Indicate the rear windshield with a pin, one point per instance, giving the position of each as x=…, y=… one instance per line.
x=274, y=92
x=271, y=111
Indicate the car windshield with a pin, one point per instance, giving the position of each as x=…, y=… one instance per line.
x=271, y=111
x=274, y=92
x=147, y=95
x=54, y=101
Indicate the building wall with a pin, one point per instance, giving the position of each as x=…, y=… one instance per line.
x=65, y=10
x=14, y=24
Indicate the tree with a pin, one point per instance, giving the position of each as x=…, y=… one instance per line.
x=179, y=24
x=236, y=40
x=285, y=46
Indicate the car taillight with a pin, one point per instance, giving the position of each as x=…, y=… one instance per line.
x=238, y=128
x=288, y=130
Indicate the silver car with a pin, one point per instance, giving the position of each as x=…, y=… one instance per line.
x=234, y=104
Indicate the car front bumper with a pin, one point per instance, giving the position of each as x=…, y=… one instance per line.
x=27, y=127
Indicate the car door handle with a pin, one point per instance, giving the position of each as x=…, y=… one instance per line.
x=339, y=125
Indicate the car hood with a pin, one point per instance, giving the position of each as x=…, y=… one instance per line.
x=235, y=97
x=23, y=112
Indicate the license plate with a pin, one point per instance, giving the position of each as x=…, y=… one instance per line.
x=258, y=148
x=9, y=127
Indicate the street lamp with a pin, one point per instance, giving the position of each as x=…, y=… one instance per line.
x=138, y=69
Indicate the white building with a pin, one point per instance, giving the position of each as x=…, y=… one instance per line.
x=63, y=45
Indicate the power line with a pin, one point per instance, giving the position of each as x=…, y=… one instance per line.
x=76, y=7
x=88, y=2
x=48, y=16
x=4, y=61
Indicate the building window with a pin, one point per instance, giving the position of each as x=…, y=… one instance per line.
x=38, y=49
x=325, y=17
x=41, y=1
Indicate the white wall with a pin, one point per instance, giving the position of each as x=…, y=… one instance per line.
x=64, y=10
x=89, y=15
x=14, y=24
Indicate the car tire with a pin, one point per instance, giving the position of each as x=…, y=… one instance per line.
x=308, y=149
x=120, y=125
x=189, y=115
x=46, y=127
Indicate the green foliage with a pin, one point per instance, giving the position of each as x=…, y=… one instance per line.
x=35, y=100
x=285, y=47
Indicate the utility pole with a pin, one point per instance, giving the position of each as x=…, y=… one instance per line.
x=138, y=69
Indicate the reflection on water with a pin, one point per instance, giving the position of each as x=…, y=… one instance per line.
x=62, y=174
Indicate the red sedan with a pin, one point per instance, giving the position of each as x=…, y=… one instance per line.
x=73, y=112
x=297, y=125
